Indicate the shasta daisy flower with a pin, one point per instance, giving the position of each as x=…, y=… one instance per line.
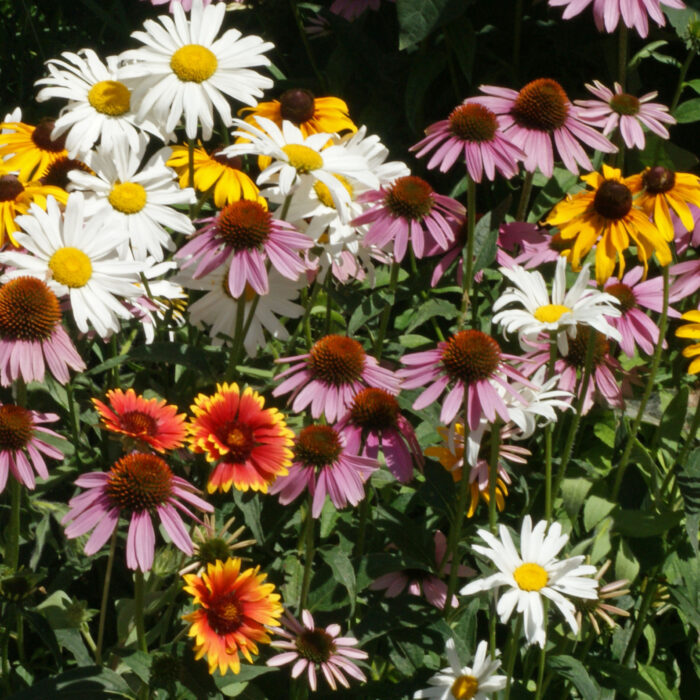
x=184, y=69
x=533, y=574
x=21, y=448
x=29, y=150
x=322, y=464
x=691, y=330
x=233, y=607
x=329, y=376
x=540, y=117
x=313, y=648
x=143, y=421
x=606, y=217
x=31, y=334
x=250, y=443
x=626, y=112
x=246, y=234
x=138, y=486
x=471, y=130
x=476, y=682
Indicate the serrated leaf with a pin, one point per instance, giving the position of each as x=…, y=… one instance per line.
x=572, y=669
x=416, y=19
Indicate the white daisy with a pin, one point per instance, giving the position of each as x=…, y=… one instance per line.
x=122, y=194
x=217, y=309
x=535, y=574
x=581, y=304
x=99, y=105
x=459, y=682
x=75, y=262
x=184, y=68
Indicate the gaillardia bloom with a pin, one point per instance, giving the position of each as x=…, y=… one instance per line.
x=606, y=217
x=21, y=446
x=234, y=607
x=691, y=330
x=250, y=443
x=329, y=376
x=148, y=421
x=29, y=150
x=140, y=486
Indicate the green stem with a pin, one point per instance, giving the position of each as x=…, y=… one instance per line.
x=644, y=606
x=302, y=323
x=12, y=547
x=548, y=436
x=469, y=249
x=624, y=460
x=138, y=611
x=308, y=557
x=493, y=618
x=237, y=338
x=362, y=526
x=386, y=311
x=105, y=598
x=493, y=475
x=541, y=662
x=512, y=653
x=424, y=294
x=5, y=676
x=623, y=38
x=524, y=197
x=681, y=79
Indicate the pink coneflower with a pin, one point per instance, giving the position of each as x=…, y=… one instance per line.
x=535, y=245
x=374, y=422
x=20, y=445
x=607, y=13
x=472, y=362
x=683, y=235
x=629, y=113
x=323, y=466
x=328, y=377
x=31, y=334
x=410, y=208
x=186, y=4
x=471, y=130
x=687, y=280
x=541, y=117
x=635, y=327
x=246, y=232
x=309, y=647
x=139, y=486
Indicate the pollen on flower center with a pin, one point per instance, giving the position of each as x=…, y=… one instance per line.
x=302, y=158
x=658, y=180
x=541, y=105
x=374, y=409
x=576, y=356
x=139, y=482
x=410, y=197
x=29, y=310
x=239, y=439
x=139, y=423
x=337, y=360
x=16, y=427
x=70, y=266
x=464, y=687
x=128, y=197
x=624, y=295
x=316, y=645
x=324, y=194
x=110, y=97
x=550, y=313
x=193, y=63
x=470, y=356
x=530, y=577
x=612, y=200
x=625, y=104
x=473, y=122
x=297, y=105
x=317, y=446
x=224, y=614
x=243, y=224
x=10, y=188
x=42, y=137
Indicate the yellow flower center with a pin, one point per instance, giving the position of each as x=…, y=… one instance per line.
x=324, y=194
x=193, y=63
x=465, y=687
x=71, y=267
x=110, y=97
x=303, y=158
x=530, y=577
x=128, y=197
x=551, y=313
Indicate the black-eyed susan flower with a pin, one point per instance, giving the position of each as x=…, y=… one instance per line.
x=691, y=330
x=29, y=150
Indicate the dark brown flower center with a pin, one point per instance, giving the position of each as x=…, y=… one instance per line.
x=658, y=179
x=317, y=446
x=10, y=188
x=139, y=482
x=541, y=105
x=316, y=645
x=473, y=122
x=410, y=197
x=56, y=173
x=29, y=310
x=42, y=137
x=297, y=105
x=243, y=225
x=337, y=360
x=612, y=200
x=221, y=158
x=16, y=427
x=471, y=355
x=625, y=104
x=139, y=423
x=624, y=295
x=577, y=348
x=374, y=409
x=240, y=440
x=224, y=613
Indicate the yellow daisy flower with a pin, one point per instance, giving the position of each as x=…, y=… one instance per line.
x=691, y=330
x=30, y=150
x=232, y=184
x=661, y=188
x=605, y=217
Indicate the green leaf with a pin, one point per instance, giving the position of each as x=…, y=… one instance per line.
x=78, y=684
x=626, y=564
x=689, y=484
x=573, y=670
x=343, y=572
x=370, y=308
x=252, y=508
x=645, y=52
x=595, y=509
x=574, y=493
x=688, y=112
x=416, y=19
x=43, y=629
x=657, y=680
x=672, y=419
x=693, y=85
x=432, y=307
x=413, y=340
x=637, y=523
